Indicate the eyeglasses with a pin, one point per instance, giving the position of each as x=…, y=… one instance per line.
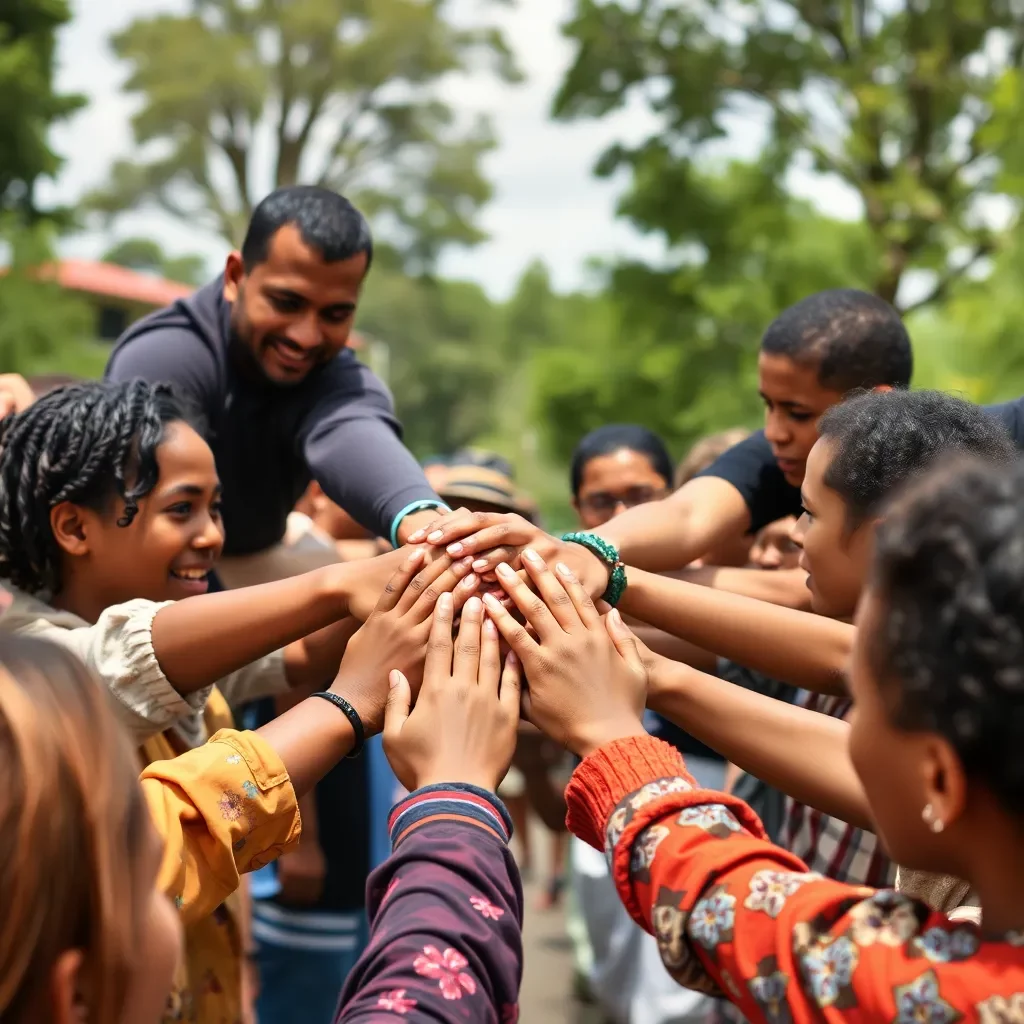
x=604, y=503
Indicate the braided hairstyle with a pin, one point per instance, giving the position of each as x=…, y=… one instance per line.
x=83, y=443
x=949, y=647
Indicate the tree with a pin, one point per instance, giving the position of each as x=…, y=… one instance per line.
x=149, y=257
x=42, y=328
x=674, y=347
x=240, y=96
x=445, y=367
x=29, y=104
x=913, y=104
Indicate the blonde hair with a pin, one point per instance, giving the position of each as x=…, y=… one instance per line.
x=71, y=829
x=705, y=451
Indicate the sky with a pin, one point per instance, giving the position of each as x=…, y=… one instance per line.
x=547, y=203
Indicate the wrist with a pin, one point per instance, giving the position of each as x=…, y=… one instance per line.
x=442, y=775
x=366, y=700
x=333, y=588
x=594, y=735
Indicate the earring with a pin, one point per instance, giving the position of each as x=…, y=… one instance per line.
x=928, y=816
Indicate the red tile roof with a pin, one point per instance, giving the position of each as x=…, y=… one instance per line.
x=109, y=279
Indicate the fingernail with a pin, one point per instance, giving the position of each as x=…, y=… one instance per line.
x=454, y=549
x=505, y=571
x=435, y=536
x=417, y=536
x=415, y=555
x=531, y=555
x=490, y=628
x=563, y=570
x=492, y=602
x=511, y=660
x=480, y=564
x=445, y=603
x=473, y=607
x=615, y=617
x=470, y=582
x=393, y=678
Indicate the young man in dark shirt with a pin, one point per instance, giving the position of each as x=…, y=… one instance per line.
x=262, y=354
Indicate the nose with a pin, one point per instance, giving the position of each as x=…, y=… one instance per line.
x=797, y=531
x=776, y=429
x=210, y=537
x=306, y=331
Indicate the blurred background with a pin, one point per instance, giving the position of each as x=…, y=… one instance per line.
x=587, y=211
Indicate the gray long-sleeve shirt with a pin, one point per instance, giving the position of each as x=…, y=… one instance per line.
x=338, y=426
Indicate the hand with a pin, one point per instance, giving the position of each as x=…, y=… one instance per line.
x=396, y=633
x=586, y=682
x=301, y=874
x=362, y=582
x=463, y=728
x=495, y=537
x=15, y=394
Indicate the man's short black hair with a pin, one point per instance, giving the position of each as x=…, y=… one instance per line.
x=855, y=339
x=327, y=222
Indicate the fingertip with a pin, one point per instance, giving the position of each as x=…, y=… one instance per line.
x=445, y=603
x=416, y=537
x=415, y=557
x=394, y=678
x=473, y=606
x=511, y=660
x=490, y=629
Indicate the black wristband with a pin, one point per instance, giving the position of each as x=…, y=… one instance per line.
x=352, y=715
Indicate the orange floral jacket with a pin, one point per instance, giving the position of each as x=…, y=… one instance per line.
x=740, y=918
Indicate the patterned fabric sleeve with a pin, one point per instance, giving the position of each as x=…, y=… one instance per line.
x=446, y=913
x=223, y=809
x=735, y=916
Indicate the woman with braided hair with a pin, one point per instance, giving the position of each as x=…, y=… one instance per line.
x=109, y=528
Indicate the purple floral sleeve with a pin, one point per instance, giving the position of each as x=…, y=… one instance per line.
x=446, y=913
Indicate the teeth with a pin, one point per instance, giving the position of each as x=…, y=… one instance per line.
x=189, y=574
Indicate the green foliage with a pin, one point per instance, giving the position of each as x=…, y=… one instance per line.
x=444, y=355
x=914, y=105
x=148, y=256
x=42, y=328
x=29, y=105
x=344, y=91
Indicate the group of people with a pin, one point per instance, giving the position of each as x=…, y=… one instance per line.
x=790, y=676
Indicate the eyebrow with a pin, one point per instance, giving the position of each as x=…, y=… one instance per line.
x=287, y=293
x=785, y=404
x=190, y=491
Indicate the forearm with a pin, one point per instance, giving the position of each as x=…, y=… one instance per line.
x=201, y=639
x=795, y=647
x=784, y=587
x=314, y=660
x=669, y=534
x=673, y=647
x=310, y=738
x=446, y=911
x=795, y=750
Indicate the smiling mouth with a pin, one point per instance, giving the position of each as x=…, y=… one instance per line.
x=190, y=575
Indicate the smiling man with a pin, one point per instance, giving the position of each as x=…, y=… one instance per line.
x=262, y=354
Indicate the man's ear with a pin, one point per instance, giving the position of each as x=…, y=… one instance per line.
x=234, y=272
x=69, y=523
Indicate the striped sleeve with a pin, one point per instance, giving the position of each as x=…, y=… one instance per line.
x=450, y=802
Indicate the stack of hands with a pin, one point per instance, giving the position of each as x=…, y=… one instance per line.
x=468, y=644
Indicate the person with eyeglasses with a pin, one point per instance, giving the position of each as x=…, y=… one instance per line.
x=614, y=468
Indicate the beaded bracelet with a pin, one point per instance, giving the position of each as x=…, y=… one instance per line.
x=352, y=715
x=609, y=554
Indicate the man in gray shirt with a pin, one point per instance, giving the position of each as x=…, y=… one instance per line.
x=261, y=354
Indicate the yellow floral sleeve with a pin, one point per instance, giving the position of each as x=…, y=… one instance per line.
x=223, y=809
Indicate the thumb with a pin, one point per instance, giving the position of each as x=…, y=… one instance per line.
x=396, y=711
x=625, y=642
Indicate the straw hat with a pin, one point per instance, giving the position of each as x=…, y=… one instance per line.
x=462, y=483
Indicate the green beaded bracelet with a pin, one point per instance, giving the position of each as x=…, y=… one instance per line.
x=609, y=554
